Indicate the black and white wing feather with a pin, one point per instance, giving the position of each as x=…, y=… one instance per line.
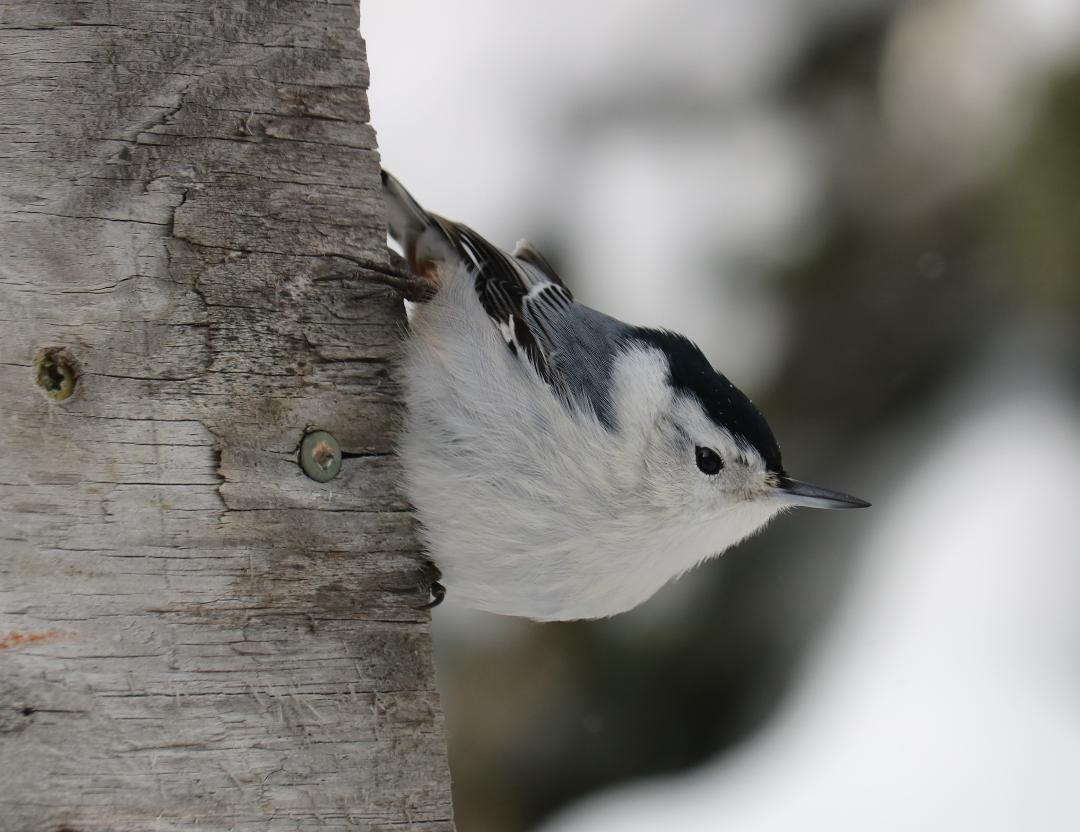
x=526, y=252
x=519, y=298
x=569, y=346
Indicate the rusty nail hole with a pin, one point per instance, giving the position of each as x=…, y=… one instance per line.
x=320, y=456
x=57, y=372
x=323, y=454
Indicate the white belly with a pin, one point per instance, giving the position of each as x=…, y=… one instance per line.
x=518, y=523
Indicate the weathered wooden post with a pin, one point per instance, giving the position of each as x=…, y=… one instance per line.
x=193, y=632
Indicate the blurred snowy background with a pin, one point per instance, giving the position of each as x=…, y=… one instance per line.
x=867, y=213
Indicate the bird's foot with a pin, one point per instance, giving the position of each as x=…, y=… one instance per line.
x=401, y=278
x=438, y=593
x=437, y=590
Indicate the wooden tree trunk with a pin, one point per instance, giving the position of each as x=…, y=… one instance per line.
x=192, y=632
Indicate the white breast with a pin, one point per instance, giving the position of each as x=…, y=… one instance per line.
x=527, y=509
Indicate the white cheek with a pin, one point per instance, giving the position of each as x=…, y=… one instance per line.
x=640, y=391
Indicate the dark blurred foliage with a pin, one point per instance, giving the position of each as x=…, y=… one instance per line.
x=888, y=308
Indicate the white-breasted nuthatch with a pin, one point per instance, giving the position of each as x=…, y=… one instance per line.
x=564, y=464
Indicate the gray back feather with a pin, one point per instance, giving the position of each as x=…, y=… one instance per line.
x=570, y=346
x=580, y=345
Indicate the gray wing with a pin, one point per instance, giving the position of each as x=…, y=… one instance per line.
x=579, y=345
x=569, y=346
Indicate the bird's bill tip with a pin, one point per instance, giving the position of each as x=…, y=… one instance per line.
x=797, y=493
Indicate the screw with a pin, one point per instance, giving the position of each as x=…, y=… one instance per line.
x=320, y=456
x=57, y=372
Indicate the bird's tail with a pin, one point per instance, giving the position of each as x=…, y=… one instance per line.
x=424, y=238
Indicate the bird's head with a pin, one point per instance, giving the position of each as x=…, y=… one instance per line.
x=709, y=459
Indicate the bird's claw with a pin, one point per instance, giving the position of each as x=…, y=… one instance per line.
x=399, y=276
x=438, y=593
x=413, y=288
x=437, y=590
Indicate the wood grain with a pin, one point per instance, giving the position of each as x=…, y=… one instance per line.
x=193, y=633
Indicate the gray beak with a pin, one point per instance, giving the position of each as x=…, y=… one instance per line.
x=796, y=493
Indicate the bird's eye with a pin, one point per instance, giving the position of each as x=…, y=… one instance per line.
x=708, y=460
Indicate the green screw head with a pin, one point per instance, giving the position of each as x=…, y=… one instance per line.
x=320, y=456
x=57, y=371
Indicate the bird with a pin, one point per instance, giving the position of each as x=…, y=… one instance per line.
x=563, y=464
